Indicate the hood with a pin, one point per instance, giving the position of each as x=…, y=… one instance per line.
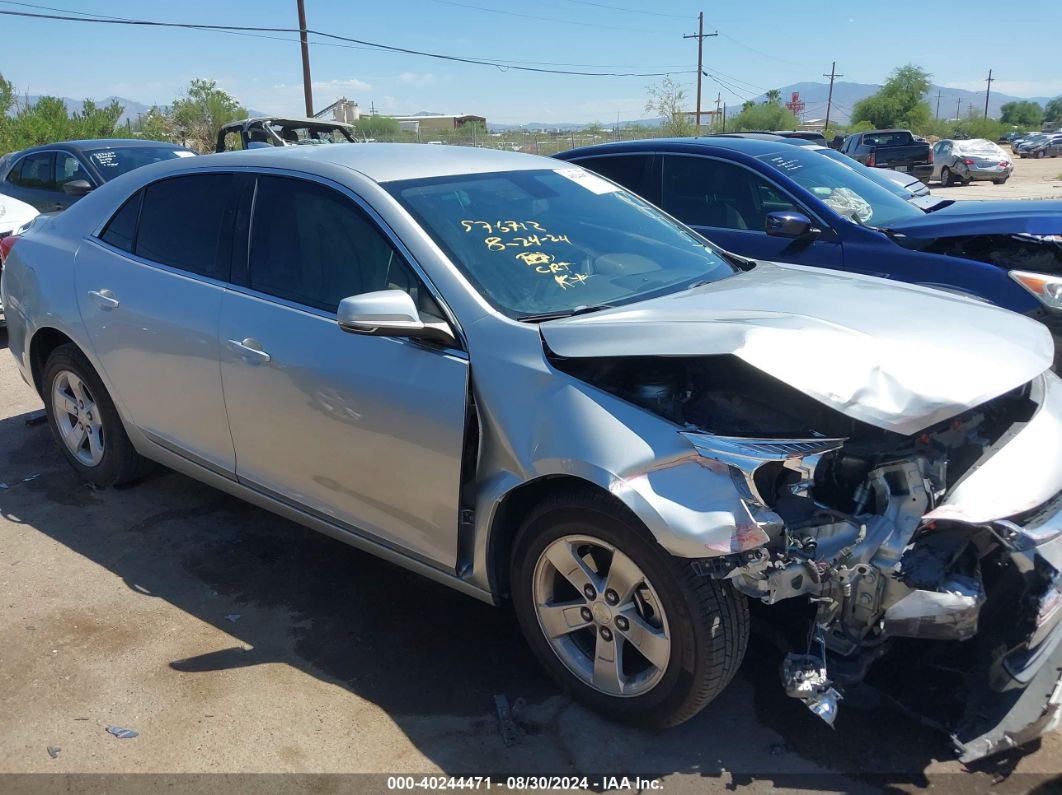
x=898, y=357
x=985, y=218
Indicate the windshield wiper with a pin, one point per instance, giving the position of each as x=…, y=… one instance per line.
x=579, y=310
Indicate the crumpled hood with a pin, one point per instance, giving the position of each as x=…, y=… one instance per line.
x=898, y=357
x=985, y=218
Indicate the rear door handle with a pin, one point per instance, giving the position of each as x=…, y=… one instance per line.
x=250, y=349
x=105, y=298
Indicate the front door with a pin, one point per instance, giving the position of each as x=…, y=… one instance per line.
x=728, y=204
x=365, y=432
x=150, y=295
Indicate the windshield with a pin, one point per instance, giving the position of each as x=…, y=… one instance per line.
x=873, y=174
x=545, y=242
x=112, y=163
x=844, y=190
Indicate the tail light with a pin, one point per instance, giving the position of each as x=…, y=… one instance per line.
x=930, y=161
x=6, y=244
x=968, y=161
x=870, y=160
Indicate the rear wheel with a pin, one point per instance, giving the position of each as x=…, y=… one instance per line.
x=945, y=177
x=629, y=630
x=1040, y=154
x=1000, y=181
x=85, y=423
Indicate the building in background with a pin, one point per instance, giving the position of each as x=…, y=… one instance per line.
x=427, y=125
x=342, y=109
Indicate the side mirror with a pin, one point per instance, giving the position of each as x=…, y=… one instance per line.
x=789, y=223
x=390, y=313
x=77, y=187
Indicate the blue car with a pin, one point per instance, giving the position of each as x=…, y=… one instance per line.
x=764, y=199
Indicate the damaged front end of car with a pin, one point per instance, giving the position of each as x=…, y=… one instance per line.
x=929, y=564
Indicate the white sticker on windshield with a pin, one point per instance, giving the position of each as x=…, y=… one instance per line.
x=107, y=158
x=182, y=153
x=591, y=182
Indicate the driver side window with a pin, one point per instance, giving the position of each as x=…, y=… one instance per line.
x=311, y=245
x=701, y=191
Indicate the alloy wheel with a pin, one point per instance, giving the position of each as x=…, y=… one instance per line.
x=77, y=418
x=601, y=615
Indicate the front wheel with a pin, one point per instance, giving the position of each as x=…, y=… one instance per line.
x=627, y=629
x=945, y=177
x=85, y=423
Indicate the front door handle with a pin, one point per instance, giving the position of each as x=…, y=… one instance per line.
x=105, y=298
x=250, y=349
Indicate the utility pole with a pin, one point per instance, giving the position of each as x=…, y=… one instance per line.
x=936, y=115
x=700, y=35
x=306, y=89
x=724, y=118
x=988, y=90
x=958, y=106
x=829, y=97
x=718, y=104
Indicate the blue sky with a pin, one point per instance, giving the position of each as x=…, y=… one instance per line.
x=762, y=44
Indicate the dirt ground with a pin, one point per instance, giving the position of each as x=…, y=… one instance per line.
x=234, y=641
x=1032, y=179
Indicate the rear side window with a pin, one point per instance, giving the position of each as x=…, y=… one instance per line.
x=120, y=231
x=634, y=172
x=183, y=220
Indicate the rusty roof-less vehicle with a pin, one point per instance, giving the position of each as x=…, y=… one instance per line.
x=261, y=131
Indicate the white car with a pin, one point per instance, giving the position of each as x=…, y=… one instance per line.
x=14, y=215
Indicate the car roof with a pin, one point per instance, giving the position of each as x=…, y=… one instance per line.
x=100, y=143
x=762, y=144
x=380, y=162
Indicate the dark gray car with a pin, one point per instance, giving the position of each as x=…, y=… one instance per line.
x=54, y=176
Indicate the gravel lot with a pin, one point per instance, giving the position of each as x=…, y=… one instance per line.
x=236, y=642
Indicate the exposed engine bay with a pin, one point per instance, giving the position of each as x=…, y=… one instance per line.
x=842, y=506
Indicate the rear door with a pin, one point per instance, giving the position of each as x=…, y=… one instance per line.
x=365, y=432
x=149, y=289
x=728, y=203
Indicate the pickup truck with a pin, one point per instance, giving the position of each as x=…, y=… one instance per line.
x=895, y=149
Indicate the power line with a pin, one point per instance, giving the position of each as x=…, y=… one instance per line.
x=541, y=19
x=670, y=67
x=758, y=52
x=503, y=66
x=628, y=10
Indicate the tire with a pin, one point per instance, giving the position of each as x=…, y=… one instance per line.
x=945, y=177
x=1040, y=155
x=999, y=181
x=700, y=626
x=99, y=450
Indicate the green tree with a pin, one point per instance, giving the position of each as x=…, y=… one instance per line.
x=1023, y=113
x=155, y=125
x=773, y=97
x=899, y=103
x=1053, y=110
x=769, y=116
x=201, y=112
x=668, y=100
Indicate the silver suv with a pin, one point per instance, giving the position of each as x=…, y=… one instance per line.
x=516, y=378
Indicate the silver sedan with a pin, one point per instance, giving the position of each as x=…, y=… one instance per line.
x=963, y=162
x=514, y=377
